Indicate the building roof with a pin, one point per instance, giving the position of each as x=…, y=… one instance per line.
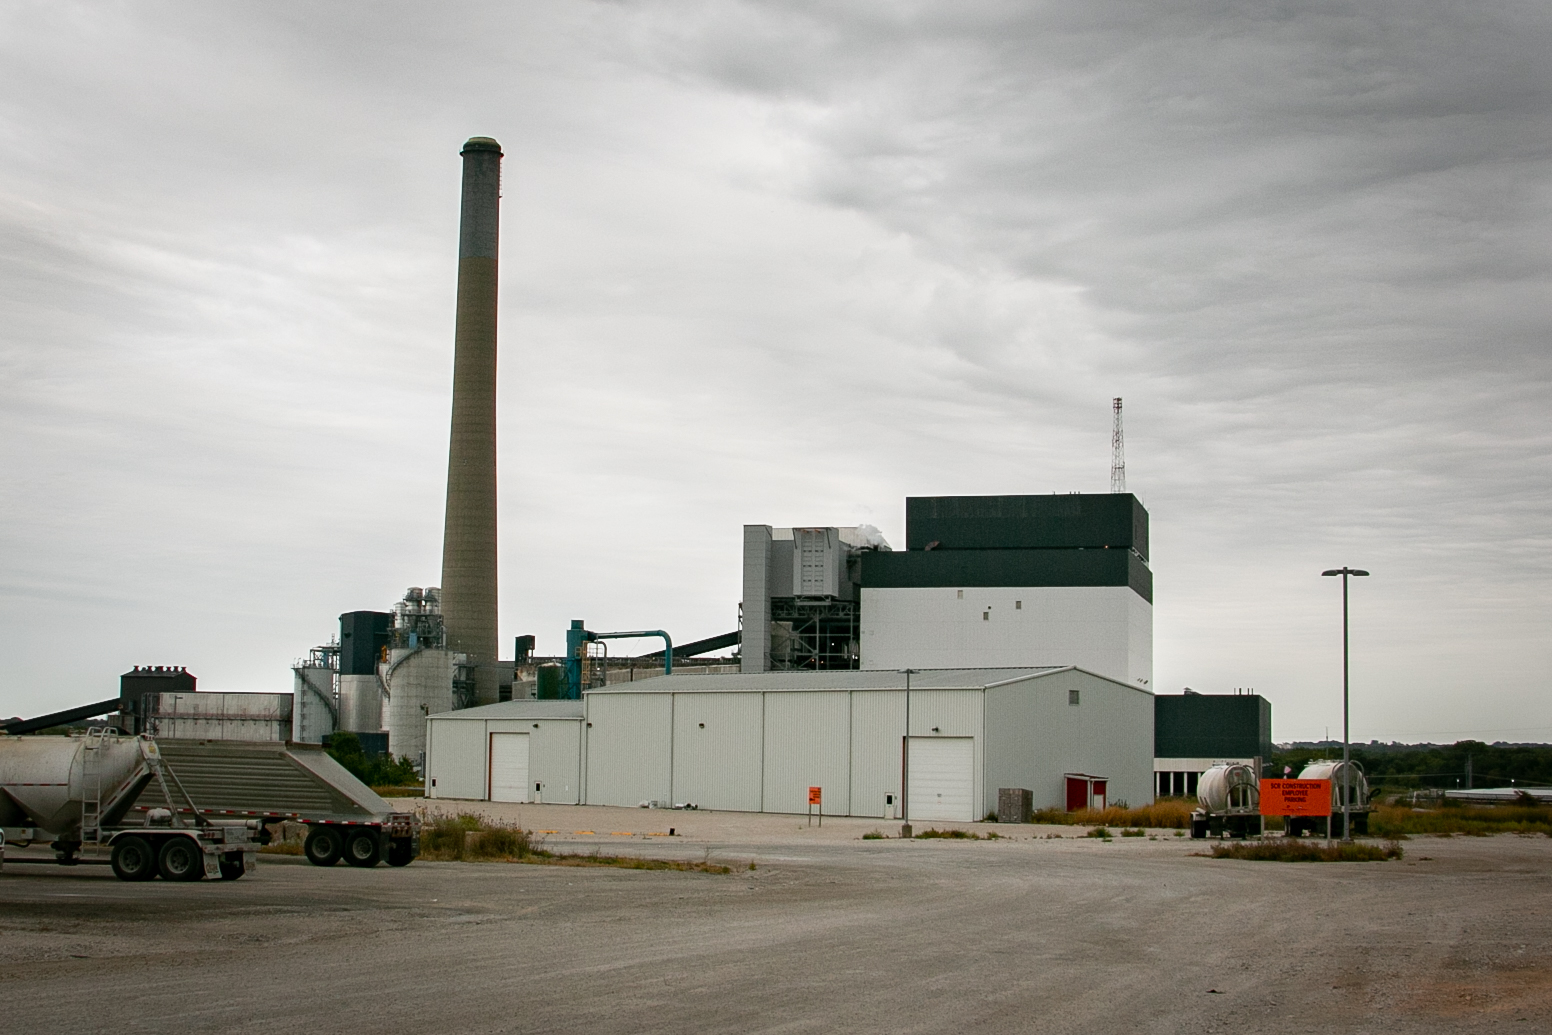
x=886, y=679
x=518, y=710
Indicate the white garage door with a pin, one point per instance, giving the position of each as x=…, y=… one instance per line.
x=942, y=779
x=509, y=767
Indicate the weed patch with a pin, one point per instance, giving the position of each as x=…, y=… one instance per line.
x=470, y=838
x=875, y=835
x=1281, y=850
x=1472, y=820
x=1167, y=813
x=1101, y=832
x=959, y=835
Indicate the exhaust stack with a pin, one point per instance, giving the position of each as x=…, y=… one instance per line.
x=469, y=534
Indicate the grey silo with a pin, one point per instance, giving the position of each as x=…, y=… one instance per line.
x=469, y=534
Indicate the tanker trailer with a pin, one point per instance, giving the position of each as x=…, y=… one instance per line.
x=74, y=792
x=1230, y=799
x=1335, y=770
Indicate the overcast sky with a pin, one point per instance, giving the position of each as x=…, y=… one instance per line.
x=784, y=263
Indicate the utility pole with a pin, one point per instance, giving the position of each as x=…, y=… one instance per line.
x=1347, y=747
x=1117, y=451
x=905, y=760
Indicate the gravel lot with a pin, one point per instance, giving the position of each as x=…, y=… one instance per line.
x=828, y=933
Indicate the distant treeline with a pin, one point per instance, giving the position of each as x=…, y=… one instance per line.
x=1399, y=767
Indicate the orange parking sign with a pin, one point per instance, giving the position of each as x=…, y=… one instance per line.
x=1295, y=797
x=814, y=794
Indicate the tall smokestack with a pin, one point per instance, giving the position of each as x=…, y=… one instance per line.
x=469, y=535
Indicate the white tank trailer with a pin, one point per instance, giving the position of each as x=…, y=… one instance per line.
x=1335, y=770
x=74, y=793
x=1230, y=798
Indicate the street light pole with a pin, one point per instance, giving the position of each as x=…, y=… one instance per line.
x=905, y=760
x=1347, y=747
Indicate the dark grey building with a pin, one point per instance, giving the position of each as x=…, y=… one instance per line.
x=1191, y=731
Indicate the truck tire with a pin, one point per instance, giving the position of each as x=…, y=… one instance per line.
x=364, y=848
x=133, y=859
x=232, y=866
x=181, y=859
x=324, y=846
x=401, y=852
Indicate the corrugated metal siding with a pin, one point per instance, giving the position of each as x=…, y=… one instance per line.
x=717, y=765
x=629, y=748
x=955, y=713
x=807, y=744
x=877, y=724
x=455, y=758
x=554, y=755
x=1034, y=736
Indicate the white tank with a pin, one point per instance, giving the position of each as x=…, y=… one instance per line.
x=1327, y=769
x=420, y=683
x=312, y=715
x=360, y=704
x=43, y=780
x=1229, y=788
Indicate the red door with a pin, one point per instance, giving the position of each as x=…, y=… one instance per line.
x=1077, y=793
x=1099, y=794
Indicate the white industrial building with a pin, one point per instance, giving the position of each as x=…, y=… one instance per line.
x=984, y=582
x=757, y=743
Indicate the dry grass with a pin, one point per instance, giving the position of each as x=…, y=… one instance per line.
x=470, y=838
x=960, y=835
x=400, y=791
x=282, y=848
x=1166, y=813
x=1281, y=850
x=1401, y=820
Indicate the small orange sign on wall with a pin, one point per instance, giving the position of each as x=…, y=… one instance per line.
x=814, y=794
x=1295, y=797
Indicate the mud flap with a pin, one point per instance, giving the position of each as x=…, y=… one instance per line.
x=212, y=865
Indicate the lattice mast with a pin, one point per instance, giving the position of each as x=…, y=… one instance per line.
x=1117, y=451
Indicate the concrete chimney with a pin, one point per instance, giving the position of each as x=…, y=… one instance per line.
x=469, y=534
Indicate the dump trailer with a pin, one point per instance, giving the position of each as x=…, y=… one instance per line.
x=1230, y=798
x=273, y=782
x=76, y=793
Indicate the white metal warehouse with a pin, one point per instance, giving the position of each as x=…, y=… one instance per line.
x=757, y=743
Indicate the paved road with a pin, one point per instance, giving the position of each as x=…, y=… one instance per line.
x=1030, y=935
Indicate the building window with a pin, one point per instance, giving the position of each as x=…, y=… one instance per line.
x=1018, y=605
x=961, y=594
x=1072, y=697
x=986, y=616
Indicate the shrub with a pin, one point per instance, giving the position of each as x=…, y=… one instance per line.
x=874, y=835
x=1098, y=832
x=374, y=771
x=1136, y=832
x=1454, y=817
x=1165, y=813
x=1286, y=850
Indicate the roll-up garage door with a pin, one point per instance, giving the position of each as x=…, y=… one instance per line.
x=942, y=779
x=509, y=767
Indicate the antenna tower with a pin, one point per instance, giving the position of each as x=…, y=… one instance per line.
x=1117, y=451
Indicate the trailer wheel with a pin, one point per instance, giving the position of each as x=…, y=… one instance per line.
x=401, y=852
x=232, y=866
x=133, y=859
x=181, y=859
x=364, y=848
x=324, y=846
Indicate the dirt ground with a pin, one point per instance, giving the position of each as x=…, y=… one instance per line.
x=829, y=932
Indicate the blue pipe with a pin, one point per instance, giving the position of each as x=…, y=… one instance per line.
x=577, y=636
